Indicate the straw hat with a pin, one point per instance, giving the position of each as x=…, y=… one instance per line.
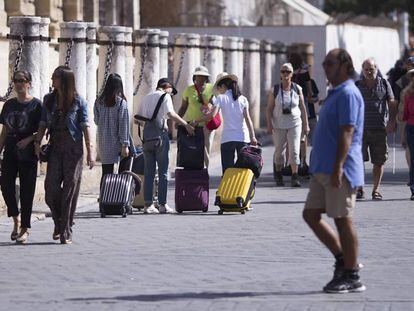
x=225, y=75
x=201, y=71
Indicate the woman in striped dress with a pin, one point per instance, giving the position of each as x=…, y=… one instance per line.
x=112, y=119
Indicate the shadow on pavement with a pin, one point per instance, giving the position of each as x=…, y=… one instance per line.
x=27, y=244
x=191, y=295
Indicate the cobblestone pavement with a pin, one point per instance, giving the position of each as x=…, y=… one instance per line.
x=265, y=260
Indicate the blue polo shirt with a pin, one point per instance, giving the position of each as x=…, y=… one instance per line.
x=344, y=105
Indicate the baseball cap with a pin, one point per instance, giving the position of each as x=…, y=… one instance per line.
x=163, y=81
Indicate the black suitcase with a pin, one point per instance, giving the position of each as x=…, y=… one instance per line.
x=190, y=149
x=117, y=193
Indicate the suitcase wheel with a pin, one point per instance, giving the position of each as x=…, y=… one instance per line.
x=103, y=215
x=205, y=210
x=179, y=211
x=239, y=202
x=243, y=212
x=124, y=215
x=220, y=212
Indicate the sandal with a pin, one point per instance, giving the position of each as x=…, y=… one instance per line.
x=360, y=194
x=376, y=196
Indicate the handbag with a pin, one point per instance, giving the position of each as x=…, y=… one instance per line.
x=215, y=122
x=45, y=152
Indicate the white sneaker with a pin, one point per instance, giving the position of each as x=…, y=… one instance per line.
x=165, y=209
x=151, y=210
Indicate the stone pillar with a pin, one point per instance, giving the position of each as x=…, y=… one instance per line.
x=116, y=35
x=75, y=31
x=91, y=71
x=19, y=7
x=164, y=54
x=53, y=10
x=241, y=61
x=30, y=61
x=91, y=11
x=186, y=46
x=266, y=78
x=231, y=55
x=274, y=64
x=212, y=55
x=44, y=57
x=129, y=71
x=3, y=19
x=147, y=69
x=252, y=79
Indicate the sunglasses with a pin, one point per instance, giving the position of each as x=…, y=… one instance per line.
x=20, y=81
x=285, y=71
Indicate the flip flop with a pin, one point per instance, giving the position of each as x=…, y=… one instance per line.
x=376, y=196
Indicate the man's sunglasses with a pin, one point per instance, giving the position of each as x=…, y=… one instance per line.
x=285, y=71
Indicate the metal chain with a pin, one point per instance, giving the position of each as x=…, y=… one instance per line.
x=226, y=59
x=108, y=62
x=244, y=64
x=17, y=60
x=180, y=67
x=69, y=47
x=144, y=52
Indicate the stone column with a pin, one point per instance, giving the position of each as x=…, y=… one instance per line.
x=212, y=55
x=252, y=79
x=53, y=10
x=231, y=55
x=116, y=35
x=241, y=63
x=75, y=31
x=129, y=71
x=44, y=57
x=28, y=26
x=91, y=71
x=186, y=49
x=266, y=78
x=72, y=10
x=164, y=54
x=274, y=64
x=147, y=69
x=281, y=57
x=3, y=19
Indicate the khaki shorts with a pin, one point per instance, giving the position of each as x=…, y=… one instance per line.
x=336, y=202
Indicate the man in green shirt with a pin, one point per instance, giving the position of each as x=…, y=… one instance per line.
x=196, y=99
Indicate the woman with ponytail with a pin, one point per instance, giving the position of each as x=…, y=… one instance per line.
x=237, y=125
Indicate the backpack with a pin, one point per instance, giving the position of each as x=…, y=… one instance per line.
x=384, y=84
x=151, y=139
x=276, y=88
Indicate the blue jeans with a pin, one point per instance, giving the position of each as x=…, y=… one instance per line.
x=227, y=153
x=409, y=129
x=161, y=158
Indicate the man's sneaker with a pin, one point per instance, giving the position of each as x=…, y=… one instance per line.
x=344, y=284
x=360, y=195
x=165, y=209
x=151, y=210
x=295, y=181
x=279, y=179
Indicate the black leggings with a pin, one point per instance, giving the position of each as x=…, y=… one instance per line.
x=27, y=171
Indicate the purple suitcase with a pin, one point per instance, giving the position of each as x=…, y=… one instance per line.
x=191, y=190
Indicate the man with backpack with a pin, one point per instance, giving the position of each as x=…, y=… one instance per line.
x=155, y=109
x=379, y=119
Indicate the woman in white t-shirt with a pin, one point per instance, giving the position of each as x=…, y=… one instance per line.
x=237, y=125
x=287, y=120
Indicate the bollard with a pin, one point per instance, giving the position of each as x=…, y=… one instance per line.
x=112, y=53
x=72, y=52
x=212, y=55
x=44, y=57
x=164, y=54
x=147, y=69
x=231, y=55
x=91, y=68
x=28, y=27
x=266, y=78
x=129, y=72
x=252, y=79
x=186, y=58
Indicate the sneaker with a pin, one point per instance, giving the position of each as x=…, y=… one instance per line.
x=151, y=210
x=22, y=237
x=344, y=284
x=279, y=179
x=360, y=194
x=295, y=181
x=165, y=209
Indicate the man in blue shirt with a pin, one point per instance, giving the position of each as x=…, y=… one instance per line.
x=337, y=166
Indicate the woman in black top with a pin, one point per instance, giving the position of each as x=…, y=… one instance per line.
x=20, y=117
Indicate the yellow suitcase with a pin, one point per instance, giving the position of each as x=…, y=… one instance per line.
x=235, y=191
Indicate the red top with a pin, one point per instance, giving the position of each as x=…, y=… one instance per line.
x=409, y=109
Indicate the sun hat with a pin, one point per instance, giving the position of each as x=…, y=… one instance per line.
x=225, y=75
x=201, y=71
x=288, y=66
